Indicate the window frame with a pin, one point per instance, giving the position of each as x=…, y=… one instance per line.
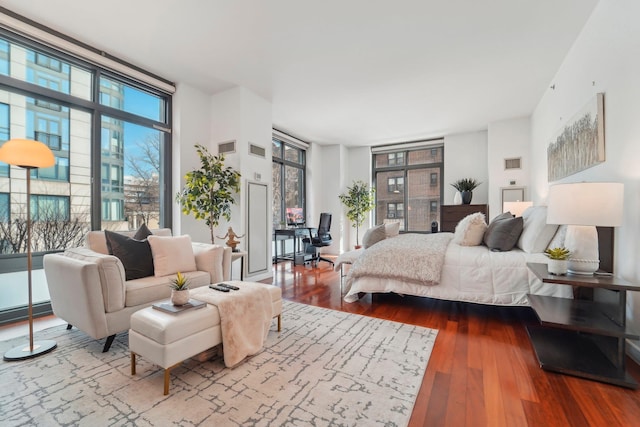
x=283, y=163
x=17, y=262
x=401, y=151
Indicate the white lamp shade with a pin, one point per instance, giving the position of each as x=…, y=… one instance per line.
x=586, y=203
x=516, y=208
x=26, y=153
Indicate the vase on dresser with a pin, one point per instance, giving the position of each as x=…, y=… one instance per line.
x=457, y=198
x=466, y=197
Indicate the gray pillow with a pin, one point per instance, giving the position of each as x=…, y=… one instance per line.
x=503, y=232
x=134, y=254
x=373, y=236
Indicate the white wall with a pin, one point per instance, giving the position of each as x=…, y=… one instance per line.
x=465, y=156
x=191, y=117
x=236, y=114
x=508, y=139
x=240, y=115
x=604, y=59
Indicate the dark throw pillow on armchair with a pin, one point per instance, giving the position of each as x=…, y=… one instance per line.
x=503, y=232
x=134, y=254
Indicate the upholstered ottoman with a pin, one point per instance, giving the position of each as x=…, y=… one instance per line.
x=168, y=339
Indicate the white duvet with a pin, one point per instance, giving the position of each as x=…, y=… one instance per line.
x=471, y=274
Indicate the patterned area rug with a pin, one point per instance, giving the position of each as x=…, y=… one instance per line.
x=326, y=368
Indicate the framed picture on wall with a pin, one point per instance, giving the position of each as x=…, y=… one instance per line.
x=580, y=143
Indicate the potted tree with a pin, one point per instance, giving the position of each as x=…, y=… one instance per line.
x=466, y=186
x=359, y=200
x=208, y=192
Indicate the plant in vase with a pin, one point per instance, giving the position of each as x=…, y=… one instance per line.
x=359, y=200
x=466, y=186
x=179, y=290
x=558, y=260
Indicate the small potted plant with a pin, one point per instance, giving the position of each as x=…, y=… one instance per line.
x=466, y=186
x=179, y=290
x=558, y=260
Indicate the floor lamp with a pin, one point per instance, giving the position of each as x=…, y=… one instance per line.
x=29, y=155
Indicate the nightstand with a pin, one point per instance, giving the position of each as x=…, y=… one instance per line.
x=583, y=337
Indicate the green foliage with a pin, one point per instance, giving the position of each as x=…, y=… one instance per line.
x=359, y=200
x=558, y=253
x=180, y=283
x=465, y=184
x=209, y=192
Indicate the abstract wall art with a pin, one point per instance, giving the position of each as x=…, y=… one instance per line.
x=580, y=143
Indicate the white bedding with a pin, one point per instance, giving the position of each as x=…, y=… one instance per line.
x=472, y=274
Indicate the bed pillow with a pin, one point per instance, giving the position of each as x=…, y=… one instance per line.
x=503, y=232
x=135, y=255
x=470, y=230
x=373, y=236
x=536, y=233
x=172, y=254
x=392, y=229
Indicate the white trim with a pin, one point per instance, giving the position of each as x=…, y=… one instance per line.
x=290, y=139
x=431, y=143
x=80, y=52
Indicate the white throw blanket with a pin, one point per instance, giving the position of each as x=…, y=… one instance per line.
x=413, y=257
x=245, y=318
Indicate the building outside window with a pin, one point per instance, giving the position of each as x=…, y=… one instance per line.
x=289, y=178
x=408, y=184
x=91, y=119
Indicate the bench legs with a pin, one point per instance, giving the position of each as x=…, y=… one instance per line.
x=279, y=322
x=167, y=372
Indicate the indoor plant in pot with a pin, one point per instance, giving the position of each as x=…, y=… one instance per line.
x=208, y=192
x=359, y=200
x=179, y=290
x=466, y=186
x=558, y=260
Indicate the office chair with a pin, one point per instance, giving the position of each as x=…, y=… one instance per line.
x=322, y=238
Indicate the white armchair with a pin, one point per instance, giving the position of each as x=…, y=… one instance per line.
x=88, y=288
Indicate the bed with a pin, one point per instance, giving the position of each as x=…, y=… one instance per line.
x=461, y=271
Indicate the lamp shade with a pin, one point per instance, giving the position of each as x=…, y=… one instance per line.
x=586, y=203
x=26, y=153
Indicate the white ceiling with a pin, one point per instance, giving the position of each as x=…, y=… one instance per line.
x=355, y=72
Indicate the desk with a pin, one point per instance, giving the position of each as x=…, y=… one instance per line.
x=239, y=255
x=290, y=233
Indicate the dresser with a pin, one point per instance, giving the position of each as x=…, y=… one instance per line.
x=450, y=215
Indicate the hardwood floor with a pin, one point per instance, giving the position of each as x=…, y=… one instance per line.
x=482, y=372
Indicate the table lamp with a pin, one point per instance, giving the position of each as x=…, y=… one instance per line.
x=516, y=208
x=583, y=206
x=29, y=155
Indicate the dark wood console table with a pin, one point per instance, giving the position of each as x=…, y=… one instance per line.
x=583, y=337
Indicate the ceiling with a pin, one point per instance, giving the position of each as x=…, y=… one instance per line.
x=352, y=72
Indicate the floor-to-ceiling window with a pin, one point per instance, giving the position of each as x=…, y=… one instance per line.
x=289, y=177
x=110, y=136
x=408, y=182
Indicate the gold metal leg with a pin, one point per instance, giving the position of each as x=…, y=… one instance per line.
x=166, y=380
x=279, y=322
x=133, y=363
